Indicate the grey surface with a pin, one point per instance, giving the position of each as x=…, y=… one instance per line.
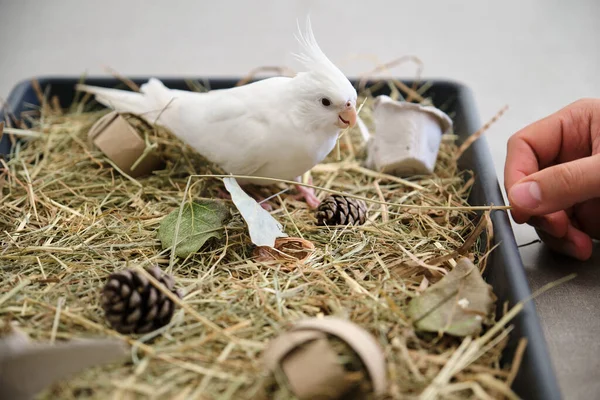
x=535, y=56
x=570, y=318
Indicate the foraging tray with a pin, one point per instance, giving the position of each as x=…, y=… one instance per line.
x=505, y=273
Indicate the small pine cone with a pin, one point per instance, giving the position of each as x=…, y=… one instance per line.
x=134, y=305
x=339, y=210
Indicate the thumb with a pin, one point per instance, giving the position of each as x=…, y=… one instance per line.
x=557, y=188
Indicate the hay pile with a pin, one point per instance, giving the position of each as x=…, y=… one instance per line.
x=68, y=219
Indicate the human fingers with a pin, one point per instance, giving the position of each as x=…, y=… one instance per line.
x=574, y=244
x=571, y=133
x=555, y=224
x=557, y=188
x=587, y=217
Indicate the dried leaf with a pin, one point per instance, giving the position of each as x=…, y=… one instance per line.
x=264, y=229
x=456, y=305
x=200, y=221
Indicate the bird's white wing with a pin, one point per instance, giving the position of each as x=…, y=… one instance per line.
x=230, y=127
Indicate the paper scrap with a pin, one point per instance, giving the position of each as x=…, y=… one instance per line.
x=263, y=228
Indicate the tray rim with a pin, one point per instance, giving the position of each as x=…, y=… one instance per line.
x=547, y=387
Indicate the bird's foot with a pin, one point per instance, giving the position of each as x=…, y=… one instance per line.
x=267, y=206
x=309, y=196
x=254, y=192
x=223, y=194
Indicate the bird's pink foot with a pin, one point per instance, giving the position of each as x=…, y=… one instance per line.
x=255, y=193
x=308, y=194
x=267, y=206
x=223, y=194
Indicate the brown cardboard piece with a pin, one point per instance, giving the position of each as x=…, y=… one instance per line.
x=311, y=365
x=29, y=367
x=120, y=142
x=362, y=342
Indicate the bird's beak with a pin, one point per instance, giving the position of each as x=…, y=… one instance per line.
x=347, y=118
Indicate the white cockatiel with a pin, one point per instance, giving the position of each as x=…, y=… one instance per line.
x=278, y=127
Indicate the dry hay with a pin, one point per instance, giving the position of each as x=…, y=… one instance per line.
x=68, y=219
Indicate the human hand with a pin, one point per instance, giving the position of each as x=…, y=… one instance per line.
x=552, y=178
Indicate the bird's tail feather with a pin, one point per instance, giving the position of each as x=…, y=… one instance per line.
x=119, y=100
x=149, y=103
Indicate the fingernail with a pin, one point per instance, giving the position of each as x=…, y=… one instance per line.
x=526, y=195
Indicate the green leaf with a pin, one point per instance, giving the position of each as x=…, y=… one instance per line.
x=456, y=305
x=200, y=221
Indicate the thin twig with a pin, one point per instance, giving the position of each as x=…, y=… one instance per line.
x=471, y=139
x=283, y=71
x=415, y=207
x=385, y=67
x=130, y=84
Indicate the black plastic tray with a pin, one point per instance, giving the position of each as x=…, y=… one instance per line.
x=536, y=378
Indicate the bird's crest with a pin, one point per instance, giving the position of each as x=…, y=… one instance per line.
x=312, y=56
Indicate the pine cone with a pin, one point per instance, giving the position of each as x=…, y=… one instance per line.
x=339, y=210
x=134, y=305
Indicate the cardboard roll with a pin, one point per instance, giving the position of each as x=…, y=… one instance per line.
x=123, y=145
x=311, y=363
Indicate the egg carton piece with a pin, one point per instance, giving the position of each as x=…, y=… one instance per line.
x=407, y=137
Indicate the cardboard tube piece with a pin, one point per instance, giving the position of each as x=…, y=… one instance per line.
x=312, y=366
x=363, y=344
x=309, y=364
x=120, y=142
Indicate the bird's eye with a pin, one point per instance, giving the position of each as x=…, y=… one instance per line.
x=325, y=101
